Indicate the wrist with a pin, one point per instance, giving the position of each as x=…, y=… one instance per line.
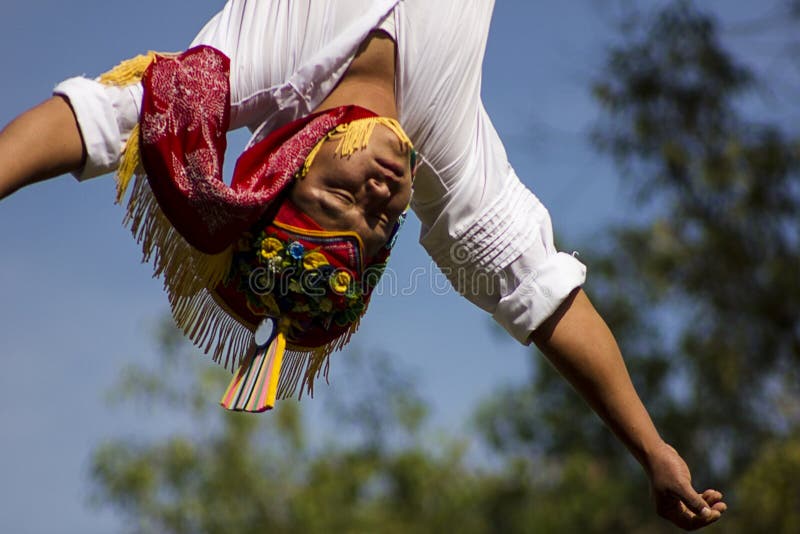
x=654, y=455
x=642, y=440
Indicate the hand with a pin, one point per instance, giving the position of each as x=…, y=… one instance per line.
x=675, y=498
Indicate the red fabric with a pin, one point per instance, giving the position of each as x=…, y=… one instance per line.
x=185, y=116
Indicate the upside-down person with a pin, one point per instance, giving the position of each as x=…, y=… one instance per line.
x=348, y=104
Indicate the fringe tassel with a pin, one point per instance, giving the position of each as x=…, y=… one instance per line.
x=209, y=325
x=129, y=71
x=130, y=165
x=318, y=361
x=355, y=135
x=185, y=270
x=312, y=156
x=294, y=367
x=187, y=275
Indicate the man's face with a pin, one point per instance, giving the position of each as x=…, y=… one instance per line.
x=365, y=192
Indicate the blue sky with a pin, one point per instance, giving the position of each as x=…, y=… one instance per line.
x=77, y=305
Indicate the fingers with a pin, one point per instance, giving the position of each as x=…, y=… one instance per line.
x=714, y=499
x=676, y=499
x=696, y=510
x=704, y=508
x=697, y=503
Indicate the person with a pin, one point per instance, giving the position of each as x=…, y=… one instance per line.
x=416, y=63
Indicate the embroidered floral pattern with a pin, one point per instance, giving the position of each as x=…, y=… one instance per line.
x=314, y=260
x=296, y=250
x=270, y=247
x=281, y=277
x=340, y=282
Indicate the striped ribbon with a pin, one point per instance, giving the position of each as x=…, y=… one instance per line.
x=255, y=385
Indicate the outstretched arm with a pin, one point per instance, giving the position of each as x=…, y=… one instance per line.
x=580, y=346
x=42, y=143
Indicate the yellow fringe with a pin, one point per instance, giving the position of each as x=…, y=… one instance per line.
x=131, y=164
x=354, y=136
x=129, y=71
x=210, y=326
x=185, y=269
x=312, y=156
x=187, y=275
x=204, y=318
x=294, y=364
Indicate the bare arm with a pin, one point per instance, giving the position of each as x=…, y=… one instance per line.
x=42, y=143
x=580, y=346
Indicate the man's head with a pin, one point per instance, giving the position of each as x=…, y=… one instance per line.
x=324, y=246
x=334, y=186
x=364, y=192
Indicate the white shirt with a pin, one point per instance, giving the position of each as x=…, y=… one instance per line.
x=485, y=230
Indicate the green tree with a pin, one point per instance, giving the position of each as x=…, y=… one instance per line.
x=241, y=473
x=377, y=472
x=702, y=289
x=715, y=263
x=770, y=489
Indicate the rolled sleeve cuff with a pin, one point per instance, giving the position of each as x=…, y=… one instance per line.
x=539, y=294
x=103, y=128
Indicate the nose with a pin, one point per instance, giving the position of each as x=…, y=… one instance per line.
x=378, y=190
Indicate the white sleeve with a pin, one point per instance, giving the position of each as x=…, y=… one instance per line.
x=506, y=263
x=535, y=285
x=106, y=115
x=493, y=238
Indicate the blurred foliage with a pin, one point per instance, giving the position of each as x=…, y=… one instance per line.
x=242, y=473
x=702, y=289
x=716, y=259
x=376, y=470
